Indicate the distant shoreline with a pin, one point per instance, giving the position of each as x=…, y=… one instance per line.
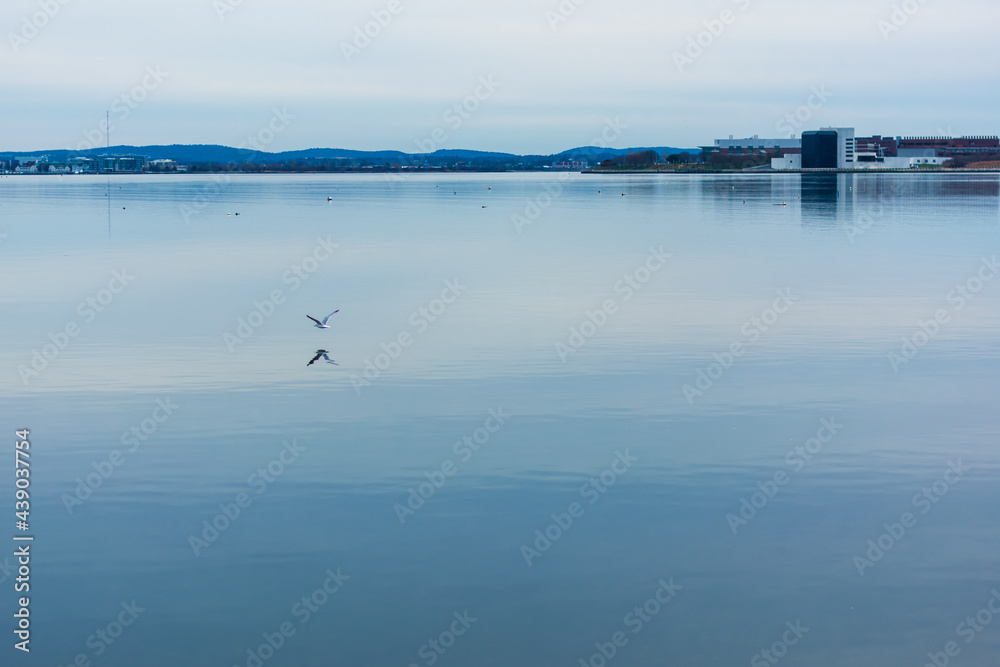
x=777, y=172
x=589, y=172
x=383, y=172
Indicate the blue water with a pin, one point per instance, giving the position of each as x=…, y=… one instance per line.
x=597, y=327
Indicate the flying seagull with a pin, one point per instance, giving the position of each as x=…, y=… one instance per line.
x=322, y=354
x=325, y=324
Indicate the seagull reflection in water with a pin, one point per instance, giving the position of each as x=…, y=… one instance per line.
x=322, y=354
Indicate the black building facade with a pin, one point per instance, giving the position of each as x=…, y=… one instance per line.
x=819, y=150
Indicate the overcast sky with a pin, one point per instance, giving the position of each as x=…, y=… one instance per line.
x=559, y=76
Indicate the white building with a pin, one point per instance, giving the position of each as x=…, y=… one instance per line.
x=897, y=162
x=754, y=145
x=787, y=161
x=845, y=146
x=793, y=162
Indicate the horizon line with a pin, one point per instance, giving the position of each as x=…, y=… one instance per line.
x=332, y=148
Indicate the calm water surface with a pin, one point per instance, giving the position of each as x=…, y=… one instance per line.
x=826, y=477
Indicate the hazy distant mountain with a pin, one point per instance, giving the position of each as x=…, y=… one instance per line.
x=194, y=154
x=595, y=151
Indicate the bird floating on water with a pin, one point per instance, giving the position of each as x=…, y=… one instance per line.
x=325, y=324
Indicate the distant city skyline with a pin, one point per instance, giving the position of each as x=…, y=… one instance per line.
x=522, y=77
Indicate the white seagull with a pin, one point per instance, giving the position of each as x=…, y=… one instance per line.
x=325, y=324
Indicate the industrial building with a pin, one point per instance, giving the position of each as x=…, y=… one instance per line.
x=839, y=148
x=947, y=146
x=102, y=164
x=121, y=164
x=828, y=148
x=754, y=146
x=881, y=146
x=819, y=150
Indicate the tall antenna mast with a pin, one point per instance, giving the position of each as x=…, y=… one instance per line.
x=107, y=128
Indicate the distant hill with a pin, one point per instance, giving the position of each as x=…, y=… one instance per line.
x=595, y=151
x=201, y=154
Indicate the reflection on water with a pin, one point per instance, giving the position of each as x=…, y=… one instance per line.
x=836, y=197
x=825, y=197
x=324, y=355
x=193, y=460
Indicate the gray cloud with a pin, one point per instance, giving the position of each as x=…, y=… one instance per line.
x=564, y=69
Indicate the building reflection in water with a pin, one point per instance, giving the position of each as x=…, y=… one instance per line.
x=837, y=199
